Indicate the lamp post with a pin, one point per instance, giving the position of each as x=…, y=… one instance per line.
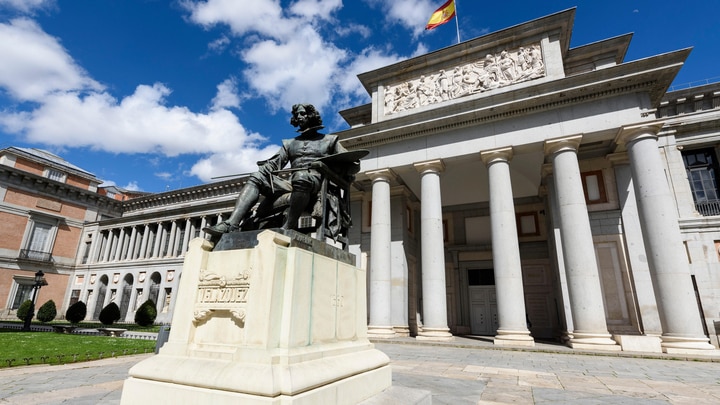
x=39, y=282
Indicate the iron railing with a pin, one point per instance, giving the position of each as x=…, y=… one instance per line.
x=708, y=208
x=35, y=255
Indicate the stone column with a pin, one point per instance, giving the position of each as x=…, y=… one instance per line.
x=666, y=255
x=512, y=329
x=556, y=241
x=380, y=259
x=117, y=255
x=108, y=245
x=186, y=237
x=172, y=241
x=159, y=236
x=433, y=253
x=144, y=242
x=95, y=242
x=586, y=299
x=131, y=246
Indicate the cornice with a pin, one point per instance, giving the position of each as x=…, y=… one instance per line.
x=212, y=191
x=652, y=75
x=56, y=190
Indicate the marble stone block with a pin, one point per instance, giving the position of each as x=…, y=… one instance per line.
x=275, y=323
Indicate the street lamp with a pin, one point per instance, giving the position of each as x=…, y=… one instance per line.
x=39, y=282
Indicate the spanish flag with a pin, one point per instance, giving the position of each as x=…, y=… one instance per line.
x=445, y=13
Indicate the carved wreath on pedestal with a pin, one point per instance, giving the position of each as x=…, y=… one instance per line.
x=491, y=72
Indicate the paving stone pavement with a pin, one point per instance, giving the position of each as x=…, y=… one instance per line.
x=462, y=372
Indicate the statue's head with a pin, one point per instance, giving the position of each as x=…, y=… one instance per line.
x=313, y=116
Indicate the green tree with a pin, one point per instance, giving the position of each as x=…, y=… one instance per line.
x=76, y=312
x=23, y=310
x=110, y=314
x=47, y=312
x=146, y=314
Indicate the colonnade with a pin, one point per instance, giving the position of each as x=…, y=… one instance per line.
x=153, y=240
x=681, y=322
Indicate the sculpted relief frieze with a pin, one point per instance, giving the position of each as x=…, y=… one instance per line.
x=491, y=72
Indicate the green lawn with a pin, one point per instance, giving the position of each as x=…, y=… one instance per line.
x=21, y=348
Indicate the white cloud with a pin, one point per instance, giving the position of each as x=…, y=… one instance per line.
x=226, y=96
x=231, y=162
x=132, y=186
x=219, y=45
x=412, y=14
x=73, y=110
x=286, y=60
x=35, y=65
x=369, y=59
x=26, y=6
x=315, y=8
x=264, y=16
x=163, y=175
x=301, y=69
x=139, y=123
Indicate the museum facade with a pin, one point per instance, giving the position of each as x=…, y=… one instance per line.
x=515, y=188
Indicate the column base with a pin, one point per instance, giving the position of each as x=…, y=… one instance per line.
x=642, y=343
x=402, y=331
x=436, y=334
x=593, y=341
x=687, y=345
x=514, y=338
x=381, y=332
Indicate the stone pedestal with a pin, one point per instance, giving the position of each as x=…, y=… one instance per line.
x=269, y=324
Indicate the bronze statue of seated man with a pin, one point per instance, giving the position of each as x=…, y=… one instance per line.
x=306, y=154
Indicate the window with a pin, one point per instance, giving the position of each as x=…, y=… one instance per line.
x=56, y=175
x=701, y=167
x=527, y=223
x=39, y=239
x=74, y=297
x=23, y=292
x=594, y=187
x=481, y=277
x=86, y=252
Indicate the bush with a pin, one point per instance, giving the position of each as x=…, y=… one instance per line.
x=47, y=312
x=110, y=314
x=23, y=310
x=76, y=313
x=146, y=314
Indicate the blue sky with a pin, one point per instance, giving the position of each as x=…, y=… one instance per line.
x=156, y=95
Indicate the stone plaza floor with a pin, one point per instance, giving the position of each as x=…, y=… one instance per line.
x=465, y=371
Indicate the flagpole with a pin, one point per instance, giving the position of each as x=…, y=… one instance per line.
x=457, y=24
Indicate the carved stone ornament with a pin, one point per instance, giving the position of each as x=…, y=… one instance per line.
x=218, y=293
x=491, y=72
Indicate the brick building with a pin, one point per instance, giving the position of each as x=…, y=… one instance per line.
x=44, y=203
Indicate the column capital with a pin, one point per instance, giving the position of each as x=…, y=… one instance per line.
x=381, y=175
x=632, y=133
x=553, y=146
x=496, y=155
x=436, y=165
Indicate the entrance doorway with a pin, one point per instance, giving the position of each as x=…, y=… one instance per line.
x=483, y=302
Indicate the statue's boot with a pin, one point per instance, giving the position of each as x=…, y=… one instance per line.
x=298, y=201
x=246, y=199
